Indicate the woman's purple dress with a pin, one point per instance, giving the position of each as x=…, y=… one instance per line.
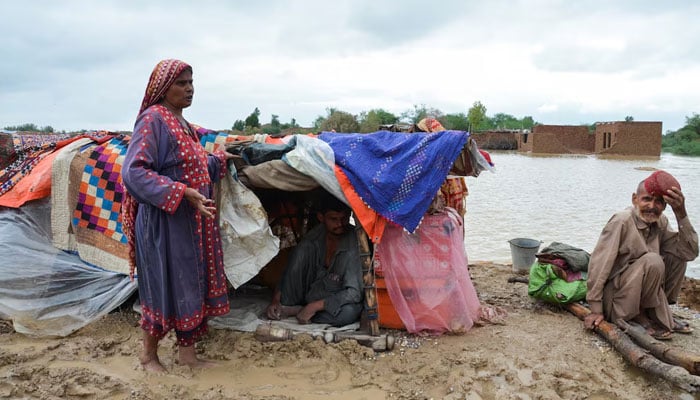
x=179, y=260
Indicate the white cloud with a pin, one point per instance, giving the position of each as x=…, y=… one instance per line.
x=548, y=108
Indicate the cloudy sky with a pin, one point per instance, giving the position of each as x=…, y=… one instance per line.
x=84, y=64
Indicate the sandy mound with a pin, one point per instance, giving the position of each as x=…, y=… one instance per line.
x=540, y=352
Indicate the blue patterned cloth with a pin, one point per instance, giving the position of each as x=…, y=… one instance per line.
x=397, y=174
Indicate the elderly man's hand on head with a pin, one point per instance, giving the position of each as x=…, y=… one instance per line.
x=674, y=198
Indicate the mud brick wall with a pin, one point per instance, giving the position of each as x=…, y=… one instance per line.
x=496, y=140
x=558, y=139
x=634, y=138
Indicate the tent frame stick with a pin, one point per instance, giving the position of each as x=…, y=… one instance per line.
x=369, y=321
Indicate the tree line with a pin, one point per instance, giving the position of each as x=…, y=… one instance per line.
x=685, y=141
x=369, y=121
x=29, y=127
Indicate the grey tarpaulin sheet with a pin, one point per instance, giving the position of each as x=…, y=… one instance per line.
x=44, y=290
x=248, y=311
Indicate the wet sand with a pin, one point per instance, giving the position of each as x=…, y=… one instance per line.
x=540, y=352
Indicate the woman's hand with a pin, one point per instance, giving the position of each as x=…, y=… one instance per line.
x=200, y=202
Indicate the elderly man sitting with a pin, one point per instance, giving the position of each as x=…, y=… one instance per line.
x=639, y=263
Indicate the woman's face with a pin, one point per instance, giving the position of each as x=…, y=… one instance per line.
x=179, y=94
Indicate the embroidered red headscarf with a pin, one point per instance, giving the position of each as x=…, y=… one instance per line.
x=162, y=77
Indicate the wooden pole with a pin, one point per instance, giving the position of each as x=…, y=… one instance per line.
x=662, y=351
x=637, y=356
x=369, y=321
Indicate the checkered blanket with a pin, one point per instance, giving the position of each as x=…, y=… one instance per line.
x=100, y=192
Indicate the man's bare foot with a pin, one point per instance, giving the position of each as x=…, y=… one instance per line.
x=643, y=321
x=152, y=364
x=289, y=311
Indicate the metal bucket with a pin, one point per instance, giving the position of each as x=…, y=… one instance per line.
x=522, y=252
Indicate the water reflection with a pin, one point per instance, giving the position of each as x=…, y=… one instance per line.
x=562, y=198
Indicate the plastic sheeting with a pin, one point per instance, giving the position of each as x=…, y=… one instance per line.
x=247, y=240
x=44, y=290
x=427, y=277
x=315, y=158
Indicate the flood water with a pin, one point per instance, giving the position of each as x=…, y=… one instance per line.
x=564, y=199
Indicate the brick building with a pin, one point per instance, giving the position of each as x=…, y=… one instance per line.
x=610, y=138
x=496, y=140
x=628, y=138
x=557, y=139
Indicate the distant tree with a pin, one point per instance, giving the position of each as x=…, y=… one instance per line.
x=505, y=121
x=270, y=130
x=23, y=128
x=239, y=125
x=528, y=122
x=458, y=122
x=291, y=124
x=340, y=121
x=321, y=119
x=275, y=121
x=476, y=115
x=629, y=118
x=29, y=127
x=685, y=141
x=419, y=112
x=252, y=120
x=318, y=122
x=693, y=122
x=371, y=120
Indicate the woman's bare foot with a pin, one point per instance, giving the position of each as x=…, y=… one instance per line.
x=152, y=364
x=149, y=357
x=187, y=356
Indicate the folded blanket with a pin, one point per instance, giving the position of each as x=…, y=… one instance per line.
x=397, y=174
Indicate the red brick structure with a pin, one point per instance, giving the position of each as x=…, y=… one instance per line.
x=496, y=140
x=628, y=138
x=557, y=139
x=618, y=138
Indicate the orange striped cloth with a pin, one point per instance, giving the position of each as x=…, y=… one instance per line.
x=371, y=222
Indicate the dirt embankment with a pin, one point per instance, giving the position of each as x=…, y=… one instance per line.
x=541, y=352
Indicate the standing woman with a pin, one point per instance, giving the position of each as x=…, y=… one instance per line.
x=168, y=218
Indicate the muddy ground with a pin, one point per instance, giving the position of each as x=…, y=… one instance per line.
x=540, y=352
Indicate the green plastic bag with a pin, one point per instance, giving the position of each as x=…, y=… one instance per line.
x=547, y=286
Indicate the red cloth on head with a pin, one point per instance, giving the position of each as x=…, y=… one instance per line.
x=659, y=182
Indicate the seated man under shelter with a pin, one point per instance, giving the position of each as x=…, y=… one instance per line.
x=639, y=263
x=322, y=282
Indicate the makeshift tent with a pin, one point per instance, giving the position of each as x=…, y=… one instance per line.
x=386, y=178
